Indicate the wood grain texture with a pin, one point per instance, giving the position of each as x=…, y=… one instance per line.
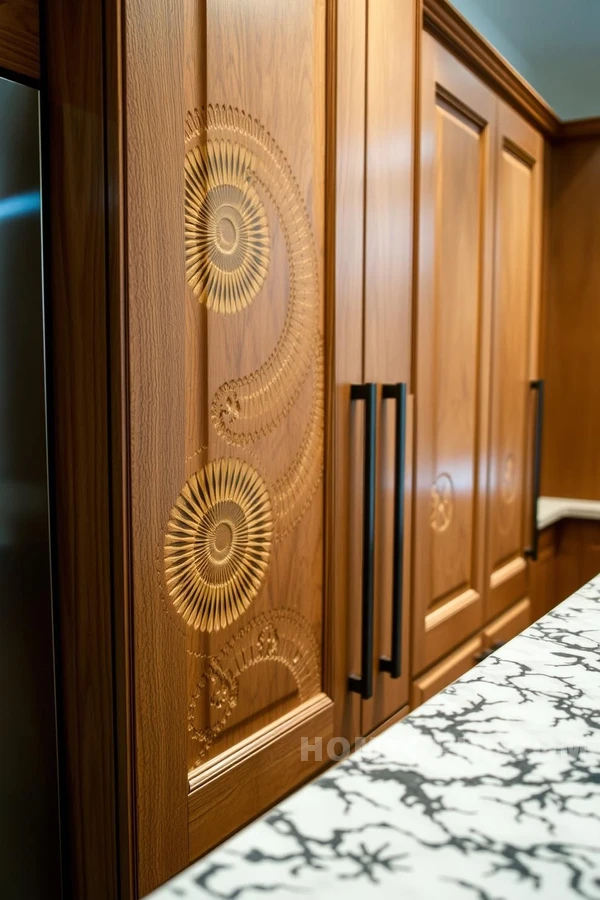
x=389, y=144
x=81, y=255
x=349, y=298
x=452, y=353
x=571, y=351
x=577, y=555
x=518, y=222
x=155, y=186
x=263, y=764
x=387, y=315
x=543, y=575
x=453, y=31
x=445, y=672
x=20, y=37
x=397, y=717
x=227, y=408
x=578, y=130
x=509, y=624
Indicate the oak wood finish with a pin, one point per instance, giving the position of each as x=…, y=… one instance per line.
x=454, y=32
x=570, y=460
x=445, y=672
x=156, y=293
x=579, y=129
x=349, y=276
x=577, y=555
x=20, y=37
x=83, y=262
x=452, y=356
x=509, y=624
x=543, y=575
x=225, y=703
x=397, y=717
x=374, y=198
x=389, y=143
x=262, y=763
x=519, y=179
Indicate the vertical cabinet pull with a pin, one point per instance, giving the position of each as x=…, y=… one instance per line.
x=537, y=385
x=363, y=684
x=393, y=665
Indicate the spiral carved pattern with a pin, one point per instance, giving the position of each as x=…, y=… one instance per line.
x=246, y=408
x=218, y=544
x=282, y=636
x=226, y=230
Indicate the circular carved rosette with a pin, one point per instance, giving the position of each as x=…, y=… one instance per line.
x=218, y=544
x=226, y=229
x=442, y=502
x=233, y=169
x=282, y=636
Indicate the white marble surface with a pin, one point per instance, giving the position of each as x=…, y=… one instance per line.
x=553, y=509
x=489, y=791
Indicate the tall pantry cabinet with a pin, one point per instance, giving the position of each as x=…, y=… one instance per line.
x=458, y=123
x=229, y=341
x=477, y=304
x=511, y=536
x=375, y=139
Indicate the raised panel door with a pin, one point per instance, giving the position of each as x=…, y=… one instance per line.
x=519, y=153
x=226, y=174
x=452, y=353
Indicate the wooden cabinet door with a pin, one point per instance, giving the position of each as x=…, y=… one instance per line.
x=445, y=672
x=452, y=353
x=374, y=216
x=543, y=581
x=508, y=625
x=391, y=73
x=519, y=160
x=233, y=631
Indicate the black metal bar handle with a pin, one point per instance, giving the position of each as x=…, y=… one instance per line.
x=393, y=664
x=537, y=385
x=363, y=683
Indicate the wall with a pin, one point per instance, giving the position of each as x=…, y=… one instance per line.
x=553, y=44
x=571, y=342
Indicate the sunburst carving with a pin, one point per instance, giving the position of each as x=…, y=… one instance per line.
x=250, y=407
x=218, y=544
x=226, y=229
x=282, y=636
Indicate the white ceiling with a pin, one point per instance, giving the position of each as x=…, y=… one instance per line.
x=554, y=44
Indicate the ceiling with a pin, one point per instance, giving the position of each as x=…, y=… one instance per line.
x=553, y=44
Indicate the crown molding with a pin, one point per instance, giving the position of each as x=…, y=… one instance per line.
x=579, y=130
x=442, y=21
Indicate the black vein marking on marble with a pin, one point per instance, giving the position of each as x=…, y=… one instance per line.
x=330, y=782
x=479, y=892
x=203, y=882
x=311, y=852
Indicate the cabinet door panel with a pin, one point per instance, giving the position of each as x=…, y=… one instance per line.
x=226, y=121
x=517, y=261
x=453, y=308
x=508, y=625
x=445, y=672
x=391, y=38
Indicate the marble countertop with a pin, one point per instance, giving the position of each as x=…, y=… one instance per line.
x=489, y=791
x=552, y=509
